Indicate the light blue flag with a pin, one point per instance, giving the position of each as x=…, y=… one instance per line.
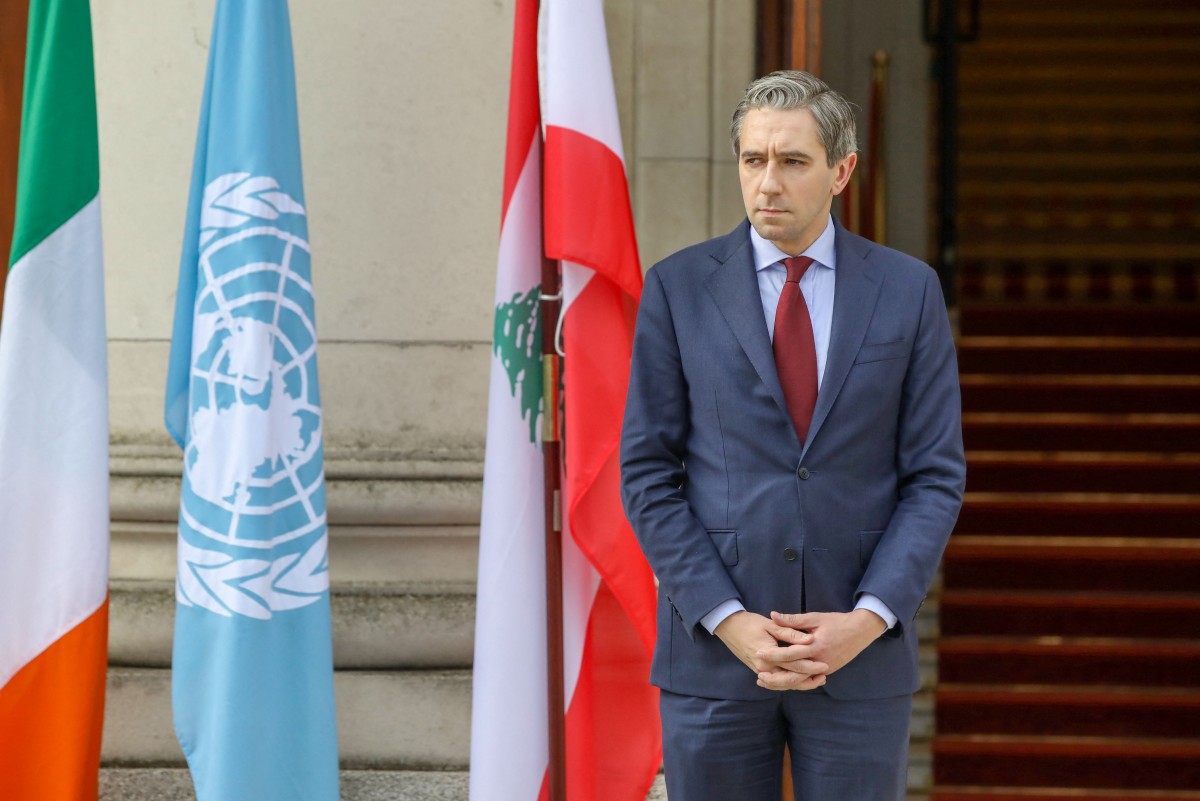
x=253, y=663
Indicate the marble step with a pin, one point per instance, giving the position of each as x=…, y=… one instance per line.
x=400, y=720
x=366, y=555
x=374, y=628
x=414, y=719
x=174, y=784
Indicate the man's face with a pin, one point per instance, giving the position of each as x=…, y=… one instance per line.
x=787, y=185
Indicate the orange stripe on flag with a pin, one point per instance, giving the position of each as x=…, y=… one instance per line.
x=52, y=716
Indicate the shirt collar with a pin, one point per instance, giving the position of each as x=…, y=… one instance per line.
x=821, y=251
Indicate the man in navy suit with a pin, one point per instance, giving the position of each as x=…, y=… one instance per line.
x=792, y=465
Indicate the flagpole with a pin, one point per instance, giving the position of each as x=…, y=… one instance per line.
x=551, y=308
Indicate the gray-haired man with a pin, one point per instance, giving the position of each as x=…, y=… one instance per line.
x=792, y=465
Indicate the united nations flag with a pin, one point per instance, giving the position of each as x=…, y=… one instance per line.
x=253, y=664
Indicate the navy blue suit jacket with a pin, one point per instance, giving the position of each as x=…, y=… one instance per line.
x=727, y=503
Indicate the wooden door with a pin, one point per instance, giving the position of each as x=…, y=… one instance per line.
x=12, y=71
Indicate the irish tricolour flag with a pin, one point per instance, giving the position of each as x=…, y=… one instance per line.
x=54, y=429
x=612, y=730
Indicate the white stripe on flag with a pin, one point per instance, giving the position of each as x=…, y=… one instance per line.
x=575, y=57
x=508, y=730
x=53, y=441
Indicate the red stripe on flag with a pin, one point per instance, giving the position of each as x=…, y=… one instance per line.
x=52, y=716
x=524, y=112
x=613, y=732
x=587, y=216
x=598, y=334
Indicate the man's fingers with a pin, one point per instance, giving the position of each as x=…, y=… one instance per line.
x=787, y=680
x=803, y=621
x=806, y=667
x=786, y=634
x=788, y=653
x=799, y=660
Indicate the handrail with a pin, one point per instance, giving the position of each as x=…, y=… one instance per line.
x=942, y=29
x=874, y=223
x=12, y=71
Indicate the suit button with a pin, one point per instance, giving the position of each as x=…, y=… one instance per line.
x=789, y=554
x=803, y=473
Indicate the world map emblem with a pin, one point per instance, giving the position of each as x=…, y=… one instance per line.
x=252, y=511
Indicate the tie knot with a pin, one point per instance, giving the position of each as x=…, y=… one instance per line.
x=796, y=266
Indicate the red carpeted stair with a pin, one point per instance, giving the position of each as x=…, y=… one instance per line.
x=1069, y=656
x=1069, y=659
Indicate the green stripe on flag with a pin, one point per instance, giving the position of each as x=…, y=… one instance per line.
x=58, y=170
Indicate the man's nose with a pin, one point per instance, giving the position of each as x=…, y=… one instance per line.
x=770, y=180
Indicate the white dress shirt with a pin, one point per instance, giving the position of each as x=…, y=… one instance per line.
x=817, y=286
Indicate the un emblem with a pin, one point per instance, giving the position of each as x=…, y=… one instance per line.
x=252, y=511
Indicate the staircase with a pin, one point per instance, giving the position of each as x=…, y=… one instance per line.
x=1069, y=663
x=1069, y=659
x=1080, y=152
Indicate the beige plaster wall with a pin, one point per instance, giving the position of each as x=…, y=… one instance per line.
x=402, y=115
x=693, y=61
x=402, y=127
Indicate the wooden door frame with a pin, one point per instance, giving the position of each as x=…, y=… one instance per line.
x=788, y=36
x=13, y=32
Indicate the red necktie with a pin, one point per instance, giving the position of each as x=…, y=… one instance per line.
x=795, y=351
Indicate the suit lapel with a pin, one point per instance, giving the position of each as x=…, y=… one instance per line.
x=734, y=287
x=856, y=290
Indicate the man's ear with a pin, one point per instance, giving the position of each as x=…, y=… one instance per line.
x=844, y=169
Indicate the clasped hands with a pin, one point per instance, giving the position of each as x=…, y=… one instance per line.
x=798, y=652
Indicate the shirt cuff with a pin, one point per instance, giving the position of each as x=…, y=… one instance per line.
x=873, y=604
x=724, y=610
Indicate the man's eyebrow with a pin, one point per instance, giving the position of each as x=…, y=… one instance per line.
x=787, y=154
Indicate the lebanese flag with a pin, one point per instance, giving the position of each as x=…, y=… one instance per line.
x=509, y=740
x=613, y=733
x=612, y=728
x=54, y=428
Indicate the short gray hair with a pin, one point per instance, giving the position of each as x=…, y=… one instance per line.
x=792, y=89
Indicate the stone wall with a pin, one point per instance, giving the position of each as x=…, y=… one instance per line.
x=402, y=114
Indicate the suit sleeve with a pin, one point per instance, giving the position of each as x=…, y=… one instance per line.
x=931, y=468
x=653, y=475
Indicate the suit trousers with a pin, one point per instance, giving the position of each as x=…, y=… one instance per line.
x=841, y=750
